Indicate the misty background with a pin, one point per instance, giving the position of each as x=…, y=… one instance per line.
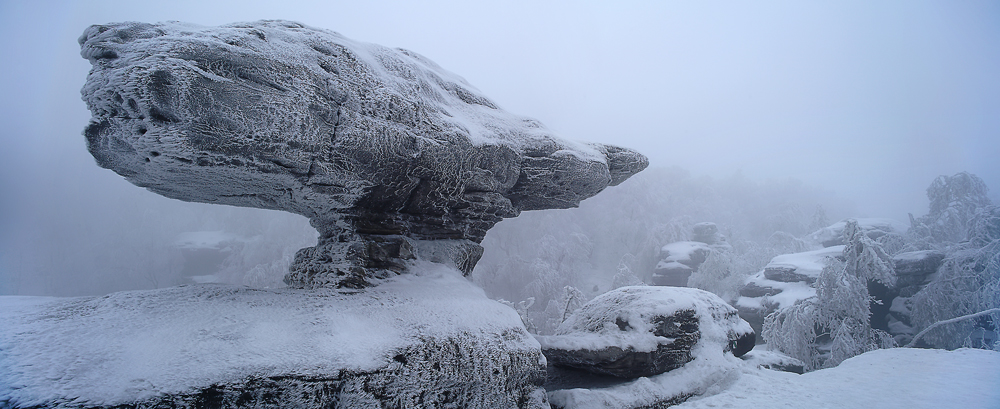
x=754, y=116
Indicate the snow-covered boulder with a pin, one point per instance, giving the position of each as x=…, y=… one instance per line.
x=708, y=233
x=639, y=331
x=833, y=235
x=787, y=279
x=678, y=261
x=391, y=157
x=914, y=270
x=428, y=339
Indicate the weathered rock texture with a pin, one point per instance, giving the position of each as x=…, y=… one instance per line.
x=646, y=330
x=678, y=261
x=391, y=157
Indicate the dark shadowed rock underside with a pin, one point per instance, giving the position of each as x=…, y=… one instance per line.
x=390, y=157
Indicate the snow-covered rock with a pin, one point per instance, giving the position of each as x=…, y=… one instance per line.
x=833, y=235
x=787, y=279
x=914, y=270
x=639, y=331
x=678, y=261
x=708, y=233
x=428, y=339
x=380, y=148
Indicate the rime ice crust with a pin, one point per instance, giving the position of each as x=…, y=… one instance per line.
x=380, y=148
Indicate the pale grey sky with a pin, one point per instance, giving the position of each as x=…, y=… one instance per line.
x=871, y=100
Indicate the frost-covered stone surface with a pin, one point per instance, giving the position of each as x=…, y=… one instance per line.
x=678, y=261
x=833, y=235
x=787, y=279
x=382, y=149
x=914, y=270
x=428, y=339
x=639, y=331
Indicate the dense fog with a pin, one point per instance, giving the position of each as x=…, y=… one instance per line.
x=761, y=119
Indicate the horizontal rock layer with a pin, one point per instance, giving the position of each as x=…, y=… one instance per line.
x=428, y=339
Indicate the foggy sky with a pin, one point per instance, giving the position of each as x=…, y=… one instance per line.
x=870, y=101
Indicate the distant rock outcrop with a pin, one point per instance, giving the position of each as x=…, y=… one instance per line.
x=390, y=157
x=914, y=270
x=787, y=279
x=680, y=259
x=646, y=330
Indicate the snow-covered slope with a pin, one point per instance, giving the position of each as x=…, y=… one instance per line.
x=432, y=330
x=901, y=378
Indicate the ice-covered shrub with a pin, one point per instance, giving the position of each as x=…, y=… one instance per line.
x=968, y=282
x=954, y=202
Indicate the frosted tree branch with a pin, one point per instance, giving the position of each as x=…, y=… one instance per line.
x=949, y=321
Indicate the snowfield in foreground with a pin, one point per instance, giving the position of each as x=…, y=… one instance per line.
x=901, y=378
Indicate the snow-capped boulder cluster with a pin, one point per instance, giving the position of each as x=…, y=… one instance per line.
x=639, y=331
x=678, y=260
x=390, y=157
x=787, y=279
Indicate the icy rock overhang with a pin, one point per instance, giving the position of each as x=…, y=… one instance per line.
x=390, y=157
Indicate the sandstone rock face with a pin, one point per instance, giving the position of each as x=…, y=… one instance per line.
x=427, y=339
x=914, y=270
x=646, y=330
x=787, y=279
x=391, y=157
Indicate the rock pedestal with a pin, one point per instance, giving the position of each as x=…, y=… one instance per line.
x=380, y=148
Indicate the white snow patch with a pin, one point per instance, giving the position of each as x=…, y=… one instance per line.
x=682, y=250
x=807, y=263
x=900, y=378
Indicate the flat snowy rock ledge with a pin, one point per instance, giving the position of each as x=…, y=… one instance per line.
x=424, y=339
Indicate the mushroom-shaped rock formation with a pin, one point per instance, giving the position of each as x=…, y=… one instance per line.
x=390, y=157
